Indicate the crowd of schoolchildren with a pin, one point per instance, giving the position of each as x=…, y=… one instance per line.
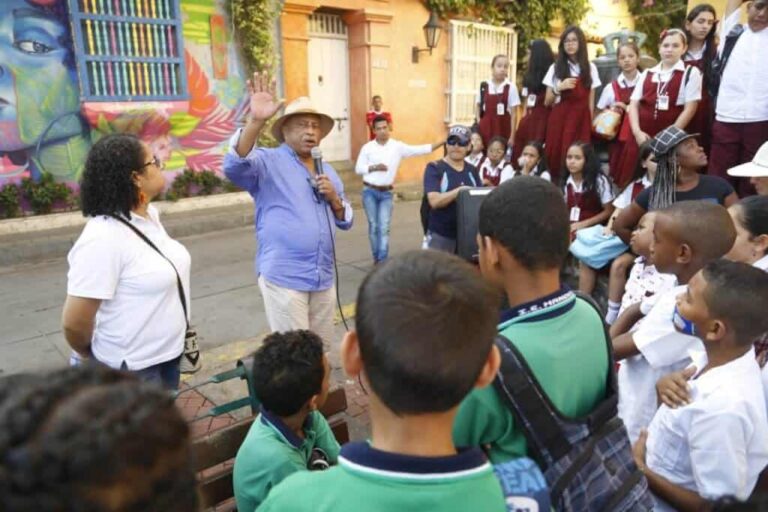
x=475, y=405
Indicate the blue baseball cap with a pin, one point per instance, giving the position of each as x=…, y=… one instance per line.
x=458, y=134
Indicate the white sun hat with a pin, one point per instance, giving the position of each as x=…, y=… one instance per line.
x=757, y=168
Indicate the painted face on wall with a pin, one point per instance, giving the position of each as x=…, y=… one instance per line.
x=38, y=81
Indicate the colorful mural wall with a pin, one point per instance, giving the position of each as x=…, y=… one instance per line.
x=44, y=127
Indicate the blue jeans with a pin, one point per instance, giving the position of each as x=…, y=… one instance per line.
x=167, y=374
x=378, y=209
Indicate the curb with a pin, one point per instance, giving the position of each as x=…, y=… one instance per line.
x=45, y=237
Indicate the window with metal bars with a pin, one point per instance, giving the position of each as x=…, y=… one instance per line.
x=128, y=50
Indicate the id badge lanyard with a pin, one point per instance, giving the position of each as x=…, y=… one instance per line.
x=662, y=99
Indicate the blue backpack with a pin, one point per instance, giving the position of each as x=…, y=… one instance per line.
x=587, y=462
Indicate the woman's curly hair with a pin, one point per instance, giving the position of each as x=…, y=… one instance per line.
x=107, y=187
x=92, y=439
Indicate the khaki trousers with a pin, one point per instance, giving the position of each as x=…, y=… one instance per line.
x=288, y=309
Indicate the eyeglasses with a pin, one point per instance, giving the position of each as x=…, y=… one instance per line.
x=456, y=141
x=156, y=161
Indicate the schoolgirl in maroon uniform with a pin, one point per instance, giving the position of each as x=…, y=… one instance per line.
x=533, y=125
x=665, y=95
x=616, y=97
x=571, y=83
x=700, y=27
x=589, y=197
x=588, y=192
x=497, y=102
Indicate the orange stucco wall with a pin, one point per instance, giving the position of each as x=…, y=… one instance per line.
x=381, y=34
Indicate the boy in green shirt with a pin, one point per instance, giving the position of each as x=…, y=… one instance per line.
x=425, y=327
x=523, y=241
x=291, y=378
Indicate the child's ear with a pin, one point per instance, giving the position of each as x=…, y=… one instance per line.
x=313, y=403
x=716, y=330
x=762, y=243
x=351, y=360
x=684, y=254
x=490, y=368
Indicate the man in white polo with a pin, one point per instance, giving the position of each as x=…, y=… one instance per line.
x=377, y=163
x=756, y=170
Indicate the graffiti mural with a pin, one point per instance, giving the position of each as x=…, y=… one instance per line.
x=45, y=128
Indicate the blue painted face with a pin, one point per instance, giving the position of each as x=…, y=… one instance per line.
x=38, y=80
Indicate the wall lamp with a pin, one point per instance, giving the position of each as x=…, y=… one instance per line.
x=431, y=34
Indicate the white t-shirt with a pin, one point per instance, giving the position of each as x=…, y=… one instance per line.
x=389, y=154
x=607, y=97
x=575, y=70
x=508, y=173
x=514, y=97
x=743, y=93
x=644, y=282
x=140, y=320
x=604, y=189
x=718, y=444
x=662, y=350
x=689, y=91
x=624, y=199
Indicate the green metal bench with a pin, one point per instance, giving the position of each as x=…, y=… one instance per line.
x=213, y=452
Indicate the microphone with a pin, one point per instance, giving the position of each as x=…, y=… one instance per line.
x=317, y=158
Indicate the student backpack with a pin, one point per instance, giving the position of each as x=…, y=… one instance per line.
x=718, y=65
x=587, y=461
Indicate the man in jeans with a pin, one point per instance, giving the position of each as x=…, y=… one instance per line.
x=377, y=164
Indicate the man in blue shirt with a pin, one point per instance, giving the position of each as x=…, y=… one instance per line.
x=296, y=211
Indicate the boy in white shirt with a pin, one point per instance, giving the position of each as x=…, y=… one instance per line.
x=717, y=444
x=686, y=236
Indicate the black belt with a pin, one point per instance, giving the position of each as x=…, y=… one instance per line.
x=380, y=188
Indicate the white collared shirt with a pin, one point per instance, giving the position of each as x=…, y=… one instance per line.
x=663, y=350
x=514, y=96
x=743, y=93
x=508, y=173
x=474, y=159
x=718, y=444
x=488, y=170
x=140, y=320
x=762, y=263
x=607, y=97
x=389, y=154
x=604, y=189
x=624, y=199
x=690, y=91
x=575, y=71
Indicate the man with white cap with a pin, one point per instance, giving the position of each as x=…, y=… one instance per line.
x=756, y=170
x=297, y=210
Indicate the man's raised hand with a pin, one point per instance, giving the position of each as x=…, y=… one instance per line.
x=263, y=104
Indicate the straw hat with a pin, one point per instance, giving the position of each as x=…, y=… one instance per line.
x=302, y=105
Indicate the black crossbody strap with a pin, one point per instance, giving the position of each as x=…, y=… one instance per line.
x=515, y=382
x=182, y=295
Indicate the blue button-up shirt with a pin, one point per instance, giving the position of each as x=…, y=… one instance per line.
x=295, y=230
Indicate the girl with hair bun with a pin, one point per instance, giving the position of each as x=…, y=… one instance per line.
x=497, y=101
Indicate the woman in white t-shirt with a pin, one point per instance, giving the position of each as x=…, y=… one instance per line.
x=124, y=306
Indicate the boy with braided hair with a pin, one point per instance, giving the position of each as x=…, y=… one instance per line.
x=92, y=438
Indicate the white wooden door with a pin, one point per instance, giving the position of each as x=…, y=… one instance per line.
x=328, y=57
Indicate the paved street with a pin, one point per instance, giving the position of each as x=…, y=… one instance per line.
x=226, y=304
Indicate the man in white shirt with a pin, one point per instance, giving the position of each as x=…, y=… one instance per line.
x=741, y=113
x=377, y=163
x=717, y=444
